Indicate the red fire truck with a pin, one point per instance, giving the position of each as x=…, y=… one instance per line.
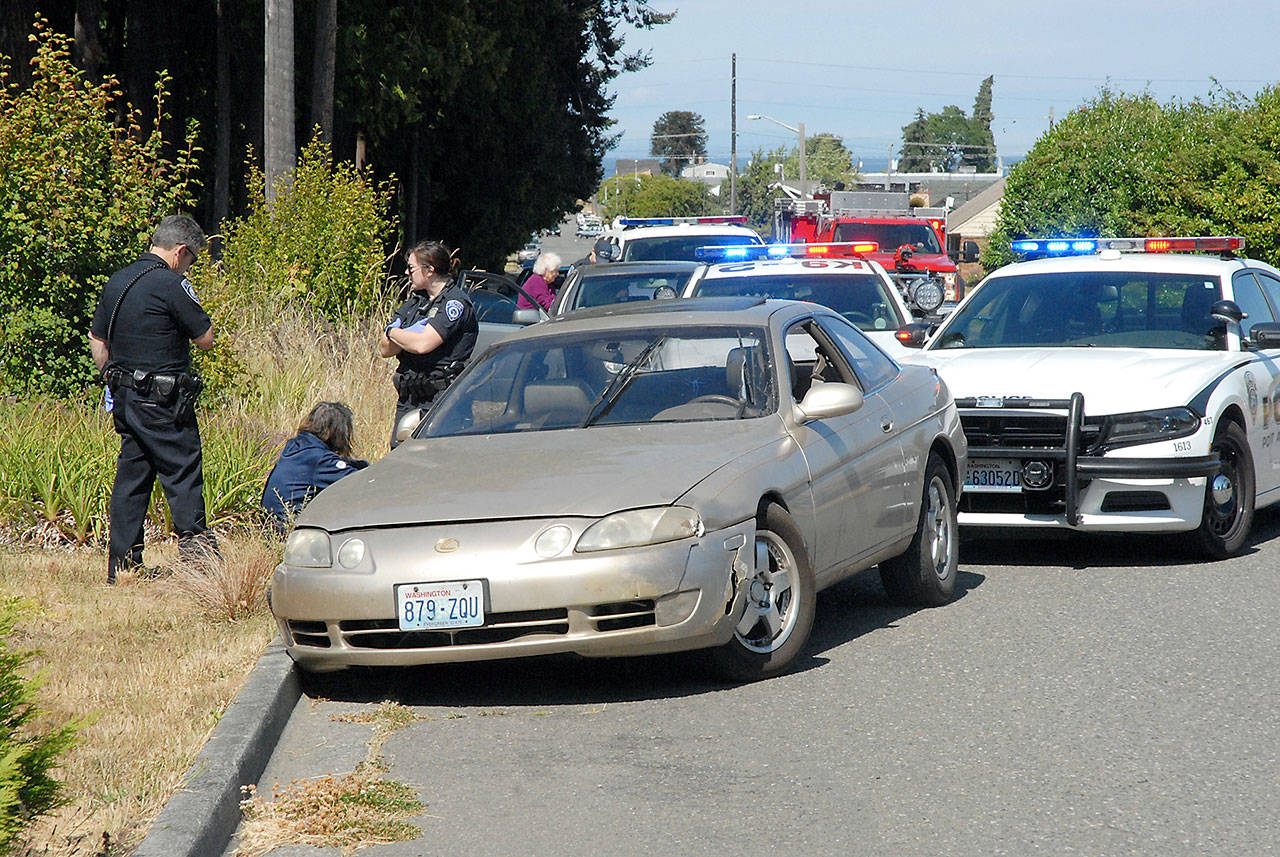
x=912, y=240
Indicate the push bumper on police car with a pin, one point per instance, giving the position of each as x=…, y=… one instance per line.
x=1030, y=466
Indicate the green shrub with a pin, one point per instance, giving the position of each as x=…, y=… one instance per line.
x=27, y=754
x=657, y=196
x=78, y=198
x=321, y=242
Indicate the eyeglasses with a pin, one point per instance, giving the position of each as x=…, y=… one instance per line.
x=187, y=249
x=424, y=268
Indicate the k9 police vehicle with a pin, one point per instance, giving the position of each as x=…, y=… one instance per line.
x=835, y=275
x=1116, y=385
x=648, y=239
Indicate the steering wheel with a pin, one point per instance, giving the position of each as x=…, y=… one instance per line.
x=859, y=318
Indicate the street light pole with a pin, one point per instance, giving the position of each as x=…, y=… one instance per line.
x=804, y=167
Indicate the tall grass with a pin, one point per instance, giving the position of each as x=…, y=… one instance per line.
x=57, y=459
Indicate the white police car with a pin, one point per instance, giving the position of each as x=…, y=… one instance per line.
x=646, y=239
x=834, y=275
x=1115, y=385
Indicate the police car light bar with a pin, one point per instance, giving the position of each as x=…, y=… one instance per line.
x=672, y=221
x=720, y=253
x=1085, y=246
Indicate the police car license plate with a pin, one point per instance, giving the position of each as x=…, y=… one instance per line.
x=437, y=606
x=993, y=474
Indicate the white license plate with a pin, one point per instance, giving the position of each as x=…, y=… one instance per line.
x=436, y=606
x=993, y=474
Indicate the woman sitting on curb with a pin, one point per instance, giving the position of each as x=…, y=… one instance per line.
x=316, y=457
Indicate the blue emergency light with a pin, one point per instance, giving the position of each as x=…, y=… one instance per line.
x=1085, y=246
x=1055, y=246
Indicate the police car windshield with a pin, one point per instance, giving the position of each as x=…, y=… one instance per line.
x=599, y=287
x=614, y=377
x=1114, y=309
x=862, y=298
x=679, y=247
x=891, y=236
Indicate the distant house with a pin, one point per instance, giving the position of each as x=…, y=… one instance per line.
x=708, y=173
x=637, y=166
x=976, y=218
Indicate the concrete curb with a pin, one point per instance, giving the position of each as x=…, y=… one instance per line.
x=200, y=818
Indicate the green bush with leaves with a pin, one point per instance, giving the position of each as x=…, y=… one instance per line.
x=320, y=242
x=657, y=196
x=27, y=753
x=1128, y=165
x=79, y=196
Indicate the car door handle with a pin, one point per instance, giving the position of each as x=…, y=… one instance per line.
x=886, y=426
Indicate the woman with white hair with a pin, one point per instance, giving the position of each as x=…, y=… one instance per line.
x=545, y=271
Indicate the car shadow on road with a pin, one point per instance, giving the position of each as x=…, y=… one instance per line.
x=845, y=612
x=1081, y=551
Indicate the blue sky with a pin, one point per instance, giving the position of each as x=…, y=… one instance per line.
x=860, y=70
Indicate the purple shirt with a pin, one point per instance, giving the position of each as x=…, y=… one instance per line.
x=538, y=289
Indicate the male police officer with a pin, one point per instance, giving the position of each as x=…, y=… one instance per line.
x=146, y=317
x=432, y=334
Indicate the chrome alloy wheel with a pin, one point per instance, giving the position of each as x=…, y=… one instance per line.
x=1224, y=506
x=768, y=618
x=938, y=528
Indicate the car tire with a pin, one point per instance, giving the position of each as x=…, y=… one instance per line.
x=925, y=573
x=777, y=614
x=1228, y=496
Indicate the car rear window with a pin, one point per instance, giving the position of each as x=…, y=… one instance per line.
x=679, y=247
x=861, y=298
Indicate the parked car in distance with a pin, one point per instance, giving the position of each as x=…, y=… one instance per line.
x=659, y=477
x=624, y=282
x=528, y=254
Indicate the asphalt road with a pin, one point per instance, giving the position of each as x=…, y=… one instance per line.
x=1095, y=696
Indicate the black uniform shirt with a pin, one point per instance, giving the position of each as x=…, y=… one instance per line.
x=452, y=316
x=156, y=321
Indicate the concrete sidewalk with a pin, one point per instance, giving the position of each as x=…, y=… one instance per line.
x=199, y=820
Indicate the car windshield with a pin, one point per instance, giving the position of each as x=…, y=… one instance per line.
x=891, y=236
x=864, y=299
x=599, y=286
x=1120, y=309
x=610, y=378
x=679, y=247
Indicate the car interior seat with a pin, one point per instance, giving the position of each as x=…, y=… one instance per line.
x=557, y=403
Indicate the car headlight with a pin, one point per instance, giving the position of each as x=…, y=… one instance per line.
x=351, y=553
x=308, y=548
x=1149, y=426
x=640, y=527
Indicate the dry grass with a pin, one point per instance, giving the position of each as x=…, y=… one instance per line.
x=146, y=670
x=345, y=811
x=233, y=586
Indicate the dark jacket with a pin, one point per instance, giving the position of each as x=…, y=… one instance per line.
x=305, y=467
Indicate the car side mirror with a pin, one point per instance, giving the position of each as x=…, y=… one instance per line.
x=1227, y=312
x=1265, y=335
x=527, y=315
x=970, y=253
x=913, y=335
x=827, y=400
x=407, y=424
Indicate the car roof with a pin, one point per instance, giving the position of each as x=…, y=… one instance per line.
x=612, y=269
x=677, y=312
x=1170, y=263
x=634, y=232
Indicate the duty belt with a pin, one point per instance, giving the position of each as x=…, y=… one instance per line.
x=163, y=385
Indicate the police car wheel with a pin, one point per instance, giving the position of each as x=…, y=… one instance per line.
x=777, y=606
x=1228, y=496
x=925, y=573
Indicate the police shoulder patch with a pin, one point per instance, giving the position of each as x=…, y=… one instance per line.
x=340, y=464
x=453, y=309
x=189, y=289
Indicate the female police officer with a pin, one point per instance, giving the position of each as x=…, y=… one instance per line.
x=432, y=334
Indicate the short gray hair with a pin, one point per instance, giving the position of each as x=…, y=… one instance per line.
x=546, y=262
x=178, y=229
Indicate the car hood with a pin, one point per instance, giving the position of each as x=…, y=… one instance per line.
x=1113, y=380
x=569, y=472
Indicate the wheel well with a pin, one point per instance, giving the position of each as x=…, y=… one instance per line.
x=768, y=499
x=948, y=456
x=1232, y=414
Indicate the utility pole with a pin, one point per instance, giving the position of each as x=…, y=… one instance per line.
x=733, y=134
x=804, y=172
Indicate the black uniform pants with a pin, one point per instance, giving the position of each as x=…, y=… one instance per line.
x=155, y=440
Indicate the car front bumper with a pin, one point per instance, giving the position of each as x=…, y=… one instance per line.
x=648, y=600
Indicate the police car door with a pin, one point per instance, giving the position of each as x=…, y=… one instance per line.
x=1261, y=379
